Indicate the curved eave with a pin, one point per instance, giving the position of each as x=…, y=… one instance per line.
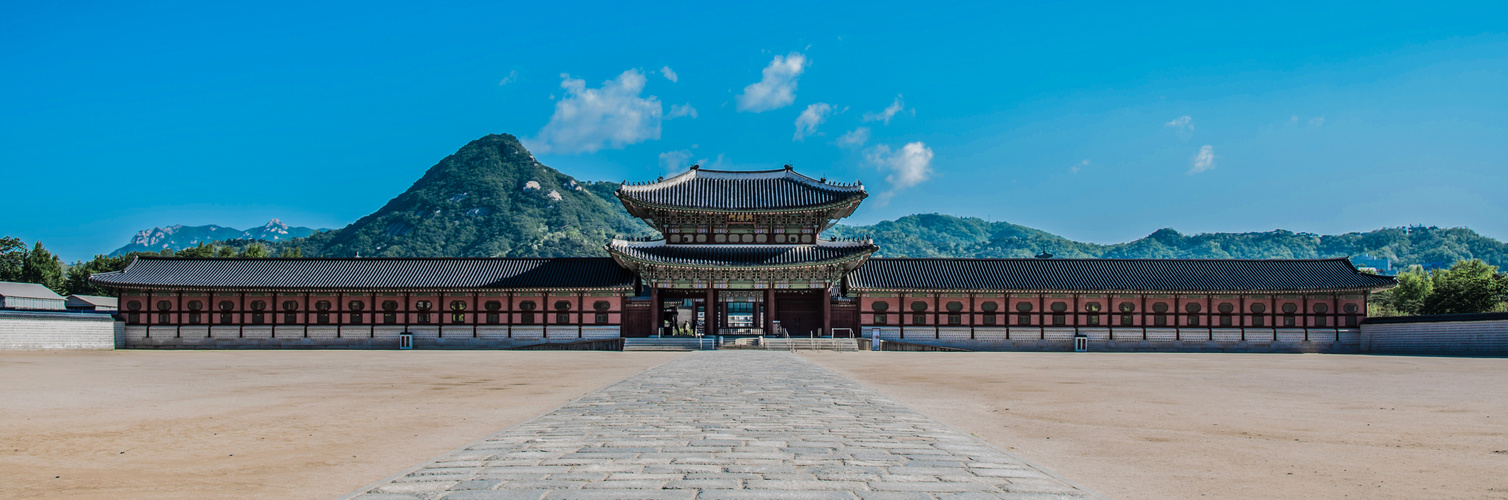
x=838, y=209
x=630, y=261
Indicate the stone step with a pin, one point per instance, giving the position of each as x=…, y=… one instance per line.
x=809, y=344
x=668, y=344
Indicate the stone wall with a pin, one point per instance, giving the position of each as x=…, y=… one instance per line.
x=36, y=330
x=1344, y=340
x=354, y=337
x=1453, y=334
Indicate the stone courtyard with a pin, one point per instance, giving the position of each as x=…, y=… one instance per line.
x=732, y=424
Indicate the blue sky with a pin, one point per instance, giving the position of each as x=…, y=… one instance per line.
x=1097, y=121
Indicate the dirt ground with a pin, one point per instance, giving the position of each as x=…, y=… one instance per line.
x=1170, y=426
x=265, y=424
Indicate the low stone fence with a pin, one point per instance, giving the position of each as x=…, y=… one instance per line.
x=1104, y=339
x=46, y=330
x=1448, y=334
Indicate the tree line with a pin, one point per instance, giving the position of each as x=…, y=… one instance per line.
x=35, y=264
x=1470, y=286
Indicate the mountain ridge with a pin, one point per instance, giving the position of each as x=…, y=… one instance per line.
x=178, y=236
x=492, y=198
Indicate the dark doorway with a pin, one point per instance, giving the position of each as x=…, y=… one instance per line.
x=799, y=312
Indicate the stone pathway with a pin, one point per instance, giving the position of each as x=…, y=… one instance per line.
x=728, y=425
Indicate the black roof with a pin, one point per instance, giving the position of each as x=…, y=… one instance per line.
x=379, y=273
x=741, y=255
x=754, y=190
x=1106, y=275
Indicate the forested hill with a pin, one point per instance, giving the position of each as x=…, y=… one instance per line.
x=493, y=199
x=489, y=199
x=938, y=235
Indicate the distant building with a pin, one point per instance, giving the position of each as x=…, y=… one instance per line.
x=1382, y=265
x=92, y=303
x=29, y=296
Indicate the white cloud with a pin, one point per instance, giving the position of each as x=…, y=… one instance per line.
x=613, y=116
x=669, y=74
x=777, y=88
x=909, y=166
x=807, y=123
x=1317, y=121
x=1182, y=122
x=679, y=110
x=854, y=138
x=889, y=112
x=675, y=161
x=512, y=77
x=1075, y=168
x=1205, y=160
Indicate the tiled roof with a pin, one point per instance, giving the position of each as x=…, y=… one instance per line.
x=27, y=290
x=741, y=255
x=723, y=190
x=396, y=273
x=1103, y=275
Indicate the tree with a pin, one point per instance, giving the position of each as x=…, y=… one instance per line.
x=12, y=257
x=43, y=268
x=1470, y=286
x=202, y=250
x=255, y=251
x=1414, y=285
x=290, y=253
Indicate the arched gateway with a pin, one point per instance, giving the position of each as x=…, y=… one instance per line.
x=740, y=253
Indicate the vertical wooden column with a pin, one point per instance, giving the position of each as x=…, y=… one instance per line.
x=1177, y=327
x=1304, y=315
x=1041, y=316
x=972, y=316
x=709, y=322
x=827, y=311
x=1210, y=315
x=655, y=309
x=1241, y=315
x=769, y=309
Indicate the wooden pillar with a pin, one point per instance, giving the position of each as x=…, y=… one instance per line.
x=1041, y=316
x=1076, y=314
x=580, y=314
x=900, y=314
x=1177, y=328
x=1144, y=316
x=827, y=311
x=769, y=309
x=654, y=309
x=1241, y=314
x=508, y=313
x=709, y=323
x=1304, y=315
x=972, y=316
x=1273, y=299
x=1209, y=314
x=476, y=312
x=1005, y=307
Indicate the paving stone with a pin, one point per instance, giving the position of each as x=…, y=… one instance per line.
x=729, y=425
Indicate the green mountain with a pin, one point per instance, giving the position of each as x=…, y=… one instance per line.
x=938, y=235
x=492, y=198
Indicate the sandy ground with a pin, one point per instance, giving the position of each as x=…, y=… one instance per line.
x=265, y=424
x=1165, y=426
